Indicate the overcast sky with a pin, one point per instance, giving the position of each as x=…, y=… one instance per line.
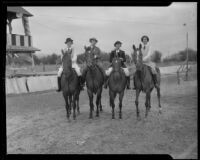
x=50, y=26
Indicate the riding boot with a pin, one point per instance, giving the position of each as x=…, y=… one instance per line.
x=106, y=82
x=128, y=82
x=59, y=84
x=155, y=80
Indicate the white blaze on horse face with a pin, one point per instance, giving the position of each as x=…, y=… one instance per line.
x=137, y=53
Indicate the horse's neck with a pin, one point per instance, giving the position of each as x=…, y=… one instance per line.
x=116, y=69
x=146, y=72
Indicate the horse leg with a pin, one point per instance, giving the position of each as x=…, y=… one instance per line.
x=67, y=106
x=100, y=105
x=147, y=103
x=74, y=106
x=70, y=104
x=101, y=108
x=121, y=95
x=98, y=101
x=90, y=94
x=77, y=104
x=112, y=99
x=158, y=95
x=136, y=103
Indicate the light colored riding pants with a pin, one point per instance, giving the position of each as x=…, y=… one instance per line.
x=75, y=66
x=109, y=70
x=152, y=65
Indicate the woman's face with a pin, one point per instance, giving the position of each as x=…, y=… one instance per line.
x=93, y=42
x=145, y=41
x=69, y=44
x=117, y=46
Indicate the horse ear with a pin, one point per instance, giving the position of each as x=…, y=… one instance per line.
x=140, y=46
x=134, y=48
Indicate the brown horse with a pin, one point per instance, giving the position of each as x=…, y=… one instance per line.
x=143, y=81
x=117, y=83
x=94, y=82
x=70, y=86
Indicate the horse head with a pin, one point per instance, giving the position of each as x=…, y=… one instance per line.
x=116, y=63
x=67, y=62
x=89, y=57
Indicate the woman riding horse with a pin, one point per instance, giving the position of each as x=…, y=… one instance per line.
x=147, y=58
x=143, y=81
x=121, y=54
x=94, y=76
x=69, y=85
x=69, y=50
x=94, y=51
x=117, y=84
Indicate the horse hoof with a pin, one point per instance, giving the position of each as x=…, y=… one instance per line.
x=113, y=117
x=120, y=117
x=101, y=110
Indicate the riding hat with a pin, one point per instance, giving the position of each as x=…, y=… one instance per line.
x=117, y=42
x=93, y=39
x=145, y=37
x=68, y=40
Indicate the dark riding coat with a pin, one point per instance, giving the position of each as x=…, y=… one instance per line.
x=120, y=54
x=95, y=51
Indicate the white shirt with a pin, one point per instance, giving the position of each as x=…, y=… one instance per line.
x=146, y=52
x=73, y=54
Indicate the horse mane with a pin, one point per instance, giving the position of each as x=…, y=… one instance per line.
x=117, y=68
x=67, y=65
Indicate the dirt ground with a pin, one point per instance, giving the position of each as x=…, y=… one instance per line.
x=37, y=124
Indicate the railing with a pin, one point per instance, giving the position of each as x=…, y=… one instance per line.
x=182, y=68
x=19, y=40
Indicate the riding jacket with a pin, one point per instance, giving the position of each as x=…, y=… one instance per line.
x=146, y=52
x=70, y=51
x=118, y=53
x=95, y=51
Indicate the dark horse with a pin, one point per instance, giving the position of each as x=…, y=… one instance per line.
x=70, y=86
x=94, y=82
x=143, y=75
x=117, y=83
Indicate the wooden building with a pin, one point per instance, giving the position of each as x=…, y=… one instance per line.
x=19, y=44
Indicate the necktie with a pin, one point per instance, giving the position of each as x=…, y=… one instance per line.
x=117, y=51
x=144, y=47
